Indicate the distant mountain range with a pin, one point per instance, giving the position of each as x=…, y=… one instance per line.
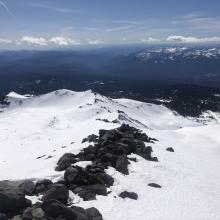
x=166, y=65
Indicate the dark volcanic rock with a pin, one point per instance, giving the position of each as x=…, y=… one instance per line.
x=56, y=209
x=122, y=165
x=3, y=216
x=154, y=185
x=65, y=161
x=43, y=185
x=170, y=149
x=58, y=192
x=76, y=175
x=94, y=214
x=27, y=187
x=12, y=200
x=111, y=148
x=104, y=179
x=91, y=138
x=130, y=195
x=98, y=189
x=80, y=213
x=34, y=212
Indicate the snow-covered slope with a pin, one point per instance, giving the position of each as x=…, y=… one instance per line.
x=36, y=131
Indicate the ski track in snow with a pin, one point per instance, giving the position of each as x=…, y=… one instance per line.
x=56, y=123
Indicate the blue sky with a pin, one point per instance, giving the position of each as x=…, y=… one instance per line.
x=53, y=23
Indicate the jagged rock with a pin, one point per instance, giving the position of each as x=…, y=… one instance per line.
x=27, y=187
x=155, y=185
x=94, y=214
x=89, y=192
x=70, y=174
x=42, y=186
x=34, y=212
x=56, y=209
x=65, y=161
x=97, y=189
x=58, y=192
x=3, y=216
x=12, y=200
x=130, y=195
x=104, y=179
x=112, y=149
x=122, y=165
x=17, y=217
x=107, y=135
x=91, y=138
x=80, y=213
x=132, y=159
x=38, y=213
x=86, y=195
x=170, y=149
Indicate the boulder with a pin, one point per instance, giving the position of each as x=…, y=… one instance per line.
x=97, y=189
x=65, y=161
x=122, y=164
x=170, y=149
x=27, y=187
x=34, y=212
x=130, y=195
x=104, y=179
x=37, y=213
x=42, y=186
x=94, y=214
x=12, y=200
x=3, y=216
x=80, y=213
x=58, y=192
x=85, y=194
x=56, y=209
x=71, y=174
x=90, y=138
x=155, y=185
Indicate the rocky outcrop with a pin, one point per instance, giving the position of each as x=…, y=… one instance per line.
x=111, y=149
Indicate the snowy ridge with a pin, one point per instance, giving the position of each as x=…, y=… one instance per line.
x=36, y=131
x=172, y=53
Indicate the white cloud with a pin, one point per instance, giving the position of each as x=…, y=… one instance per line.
x=62, y=41
x=183, y=39
x=95, y=42
x=5, y=41
x=150, y=40
x=37, y=41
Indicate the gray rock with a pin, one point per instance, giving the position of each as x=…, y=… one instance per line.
x=94, y=214
x=12, y=200
x=122, y=164
x=58, y=192
x=38, y=213
x=130, y=195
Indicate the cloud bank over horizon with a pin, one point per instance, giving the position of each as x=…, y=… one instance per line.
x=55, y=23
x=61, y=41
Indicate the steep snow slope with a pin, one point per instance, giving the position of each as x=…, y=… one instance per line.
x=36, y=131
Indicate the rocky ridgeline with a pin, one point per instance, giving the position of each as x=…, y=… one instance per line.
x=111, y=149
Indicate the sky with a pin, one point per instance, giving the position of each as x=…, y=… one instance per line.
x=72, y=23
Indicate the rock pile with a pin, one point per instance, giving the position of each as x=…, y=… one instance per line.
x=111, y=149
x=14, y=205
